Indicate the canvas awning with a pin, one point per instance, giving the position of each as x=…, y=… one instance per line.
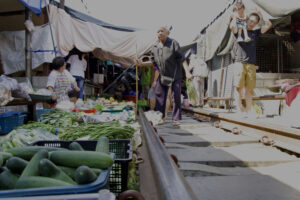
x=105, y=43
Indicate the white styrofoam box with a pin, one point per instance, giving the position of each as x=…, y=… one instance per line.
x=38, y=82
x=13, y=109
x=98, y=78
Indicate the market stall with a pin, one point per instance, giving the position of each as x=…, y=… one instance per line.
x=99, y=130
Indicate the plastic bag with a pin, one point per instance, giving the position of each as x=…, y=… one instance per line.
x=20, y=93
x=65, y=105
x=199, y=66
x=5, y=95
x=9, y=83
x=191, y=92
x=151, y=93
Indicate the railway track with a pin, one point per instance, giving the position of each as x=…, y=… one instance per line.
x=219, y=158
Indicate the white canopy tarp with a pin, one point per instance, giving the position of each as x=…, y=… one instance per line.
x=118, y=46
x=218, y=38
x=13, y=44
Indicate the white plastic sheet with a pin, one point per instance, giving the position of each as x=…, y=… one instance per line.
x=12, y=49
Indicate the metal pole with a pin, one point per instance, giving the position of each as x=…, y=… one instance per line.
x=28, y=51
x=278, y=56
x=136, y=84
x=50, y=26
x=62, y=4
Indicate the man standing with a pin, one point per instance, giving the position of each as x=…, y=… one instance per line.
x=244, y=55
x=167, y=55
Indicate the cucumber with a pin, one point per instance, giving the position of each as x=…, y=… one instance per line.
x=71, y=171
x=39, y=182
x=96, y=171
x=28, y=152
x=16, y=165
x=84, y=175
x=77, y=158
x=32, y=168
x=103, y=145
x=49, y=169
x=5, y=155
x=75, y=146
x=8, y=180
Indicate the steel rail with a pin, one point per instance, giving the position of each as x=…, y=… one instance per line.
x=275, y=129
x=171, y=184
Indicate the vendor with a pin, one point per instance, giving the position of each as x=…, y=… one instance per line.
x=78, y=67
x=60, y=80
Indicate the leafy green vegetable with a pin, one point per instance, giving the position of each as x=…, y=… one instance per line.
x=112, y=130
x=192, y=92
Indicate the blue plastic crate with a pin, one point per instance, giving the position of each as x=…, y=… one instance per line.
x=122, y=148
x=8, y=121
x=102, y=182
x=39, y=113
x=21, y=119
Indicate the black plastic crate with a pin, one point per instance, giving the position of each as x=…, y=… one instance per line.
x=122, y=148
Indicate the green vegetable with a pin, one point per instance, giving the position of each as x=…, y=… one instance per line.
x=98, y=107
x=5, y=155
x=71, y=171
x=32, y=168
x=49, y=169
x=75, y=146
x=192, y=92
x=1, y=160
x=16, y=165
x=27, y=152
x=39, y=182
x=84, y=175
x=41, y=125
x=103, y=145
x=7, y=179
x=78, y=158
x=111, y=130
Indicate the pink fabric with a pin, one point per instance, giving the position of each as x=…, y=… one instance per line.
x=292, y=94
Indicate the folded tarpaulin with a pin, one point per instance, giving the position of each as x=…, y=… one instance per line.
x=34, y=5
x=12, y=49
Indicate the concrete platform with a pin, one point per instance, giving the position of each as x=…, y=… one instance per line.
x=207, y=140
x=288, y=173
x=250, y=187
x=239, y=155
x=196, y=170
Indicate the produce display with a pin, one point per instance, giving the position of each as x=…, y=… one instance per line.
x=23, y=166
x=112, y=130
x=24, y=137
x=39, y=166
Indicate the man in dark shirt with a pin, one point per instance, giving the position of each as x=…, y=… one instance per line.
x=244, y=56
x=169, y=58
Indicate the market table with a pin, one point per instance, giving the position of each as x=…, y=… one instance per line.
x=30, y=104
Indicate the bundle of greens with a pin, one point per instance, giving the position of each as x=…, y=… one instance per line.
x=111, y=130
x=24, y=137
x=59, y=119
x=191, y=92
